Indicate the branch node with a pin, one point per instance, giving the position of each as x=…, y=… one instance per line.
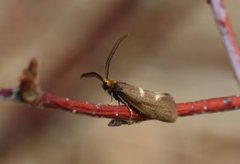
x=28, y=89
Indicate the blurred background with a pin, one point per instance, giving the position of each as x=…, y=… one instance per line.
x=173, y=47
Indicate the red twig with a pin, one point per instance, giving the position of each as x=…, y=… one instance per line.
x=29, y=92
x=228, y=36
x=212, y=105
x=122, y=112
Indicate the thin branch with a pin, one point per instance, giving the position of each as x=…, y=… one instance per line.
x=28, y=92
x=47, y=100
x=227, y=33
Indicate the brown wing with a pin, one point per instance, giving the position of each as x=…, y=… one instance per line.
x=154, y=105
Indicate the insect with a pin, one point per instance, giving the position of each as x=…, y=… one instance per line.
x=151, y=104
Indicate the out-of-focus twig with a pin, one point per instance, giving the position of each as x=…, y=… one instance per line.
x=227, y=33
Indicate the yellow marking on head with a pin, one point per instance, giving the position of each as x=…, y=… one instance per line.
x=110, y=83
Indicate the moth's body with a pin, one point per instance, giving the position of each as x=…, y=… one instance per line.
x=153, y=105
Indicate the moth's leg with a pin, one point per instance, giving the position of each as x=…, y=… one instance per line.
x=125, y=103
x=116, y=122
x=111, y=97
x=119, y=102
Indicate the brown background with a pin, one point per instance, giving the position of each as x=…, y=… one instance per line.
x=173, y=46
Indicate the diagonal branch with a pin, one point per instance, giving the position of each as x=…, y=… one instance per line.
x=227, y=33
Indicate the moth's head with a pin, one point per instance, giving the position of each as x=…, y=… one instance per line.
x=107, y=84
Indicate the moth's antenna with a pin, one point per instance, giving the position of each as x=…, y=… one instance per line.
x=112, y=52
x=92, y=74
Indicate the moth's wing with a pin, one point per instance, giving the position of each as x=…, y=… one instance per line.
x=154, y=105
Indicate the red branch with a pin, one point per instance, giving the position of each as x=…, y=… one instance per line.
x=28, y=92
x=122, y=112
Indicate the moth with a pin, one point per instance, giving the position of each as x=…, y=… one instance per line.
x=151, y=104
